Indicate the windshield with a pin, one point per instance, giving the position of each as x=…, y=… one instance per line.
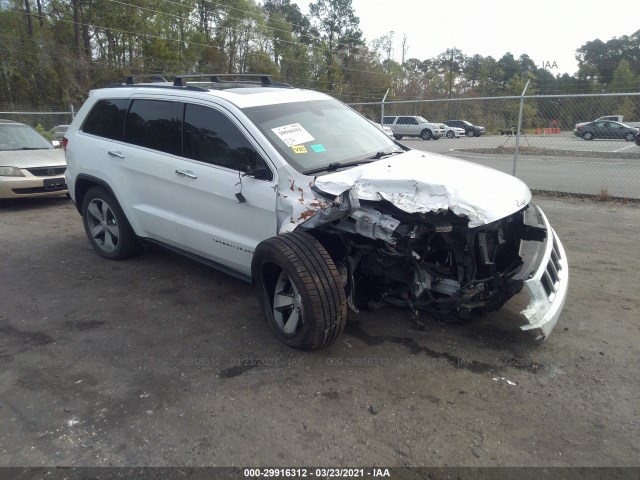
x=21, y=137
x=312, y=135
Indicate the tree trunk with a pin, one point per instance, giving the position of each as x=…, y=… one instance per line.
x=27, y=9
x=76, y=25
x=40, y=18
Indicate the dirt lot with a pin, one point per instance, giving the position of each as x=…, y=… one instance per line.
x=161, y=361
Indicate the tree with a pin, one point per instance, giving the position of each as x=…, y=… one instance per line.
x=338, y=33
x=623, y=79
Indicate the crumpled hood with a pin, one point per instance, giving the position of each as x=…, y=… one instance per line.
x=420, y=182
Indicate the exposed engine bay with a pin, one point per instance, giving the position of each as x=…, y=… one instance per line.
x=434, y=262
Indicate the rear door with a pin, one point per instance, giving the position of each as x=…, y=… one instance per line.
x=407, y=126
x=186, y=164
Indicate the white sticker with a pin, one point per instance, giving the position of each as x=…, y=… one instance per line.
x=292, y=134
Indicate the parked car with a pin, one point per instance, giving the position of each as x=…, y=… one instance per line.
x=384, y=128
x=29, y=165
x=470, y=129
x=637, y=137
x=413, y=126
x=606, y=130
x=613, y=118
x=454, y=132
x=58, y=132
x=303, y=197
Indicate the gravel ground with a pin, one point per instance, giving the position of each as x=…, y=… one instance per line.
x=160, y=361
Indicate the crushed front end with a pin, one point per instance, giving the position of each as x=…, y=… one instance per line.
x=435, y=262
x=434, y=234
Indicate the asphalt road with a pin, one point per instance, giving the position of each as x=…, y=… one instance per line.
x=159, y=361
x=586, y=174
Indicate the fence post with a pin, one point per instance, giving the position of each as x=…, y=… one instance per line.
x=515, y=155
x=73, y=113
x=382, y=107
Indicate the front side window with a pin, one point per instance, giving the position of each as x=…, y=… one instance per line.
x=155, y=124
x=211, y=137
x=106, y=119
x=311, y=135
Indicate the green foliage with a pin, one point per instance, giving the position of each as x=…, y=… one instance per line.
x=71, y=46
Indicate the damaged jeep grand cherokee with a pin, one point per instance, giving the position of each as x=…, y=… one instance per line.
x=302, y=196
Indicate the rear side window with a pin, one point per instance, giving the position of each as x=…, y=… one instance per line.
x=155, y=124
x=106, y=119
x=388, y=120
x=407, y=121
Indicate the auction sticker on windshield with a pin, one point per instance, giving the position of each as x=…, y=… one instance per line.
x=293, y=134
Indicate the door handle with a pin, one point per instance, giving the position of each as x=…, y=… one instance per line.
x=186, y=173
x=115, y=154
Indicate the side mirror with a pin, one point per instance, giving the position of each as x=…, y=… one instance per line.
x=260, y=172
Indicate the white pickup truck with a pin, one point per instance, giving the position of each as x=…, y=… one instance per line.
x=612, y=118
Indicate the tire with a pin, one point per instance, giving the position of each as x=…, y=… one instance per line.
x=397, y=137
x=629, y=137
x=476, y=134
x=106, y=226
x=470, y=133
x=425, y=134
x=450, y=134
x=587, y=136
x=300, y=290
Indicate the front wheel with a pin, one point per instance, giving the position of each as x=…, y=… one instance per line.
x=588, y=136
x=629, y=137
x=300, y=290
x=398, y=137
x=470, y=133
x=426, y=134
x=106, y=226
x=450, y=134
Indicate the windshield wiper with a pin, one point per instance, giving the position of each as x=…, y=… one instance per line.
x=379, y=155
x=332, y=167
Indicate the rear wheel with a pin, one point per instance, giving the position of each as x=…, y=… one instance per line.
x=106, y=226
x=587, y=136
x=300, y=290
x=425, y=134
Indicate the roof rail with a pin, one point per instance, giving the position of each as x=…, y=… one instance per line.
x=265, y=80
x=155, y=78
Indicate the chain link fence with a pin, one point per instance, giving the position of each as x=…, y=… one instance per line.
x=532, y=137
x=536, y=139
x=42, y=119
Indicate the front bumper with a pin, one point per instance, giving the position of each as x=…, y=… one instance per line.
x=547, y=287
x=32, y=186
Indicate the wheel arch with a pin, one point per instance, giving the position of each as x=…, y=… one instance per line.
x=84, y=183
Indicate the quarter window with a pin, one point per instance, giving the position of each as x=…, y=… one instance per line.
x=106, y=119
x=155, y=124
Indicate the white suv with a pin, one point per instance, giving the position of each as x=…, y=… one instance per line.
x=414, y=126
x=297, y=193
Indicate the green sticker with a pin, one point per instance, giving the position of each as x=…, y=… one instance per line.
x=318, y=148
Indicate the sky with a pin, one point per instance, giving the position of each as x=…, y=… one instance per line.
x=548, y=31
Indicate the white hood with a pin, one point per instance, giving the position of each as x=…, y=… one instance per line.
x=419, y=182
